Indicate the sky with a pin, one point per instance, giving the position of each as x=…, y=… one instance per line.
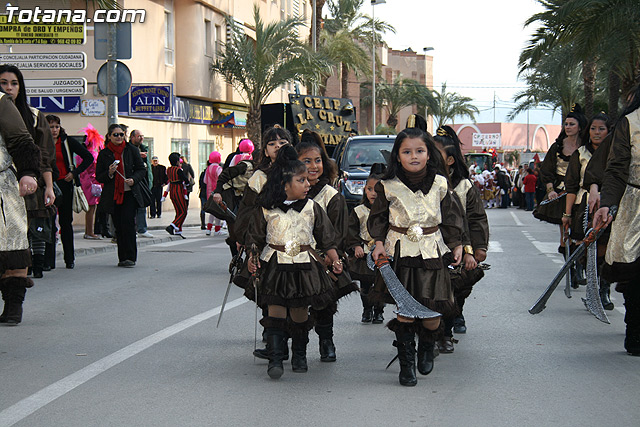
x=476, y=48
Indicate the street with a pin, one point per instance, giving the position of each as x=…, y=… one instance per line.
x=106, y=346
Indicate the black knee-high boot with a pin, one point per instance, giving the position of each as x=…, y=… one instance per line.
x=445, y=342
x=605, y=295
x=367, y=308
x=632, y=318
x=406, y=345
x=275, y=330
x=324, y=329
x=299, y=339
x=14, y=290
x=426, y=344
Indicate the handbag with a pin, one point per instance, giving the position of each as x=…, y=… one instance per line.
x=79, y=203
x=210, y=206
x=145, y=192
x=96, y=190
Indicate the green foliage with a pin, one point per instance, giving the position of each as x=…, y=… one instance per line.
x=255, y=68
x=446, y=106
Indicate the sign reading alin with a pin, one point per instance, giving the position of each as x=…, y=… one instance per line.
x=332, y=118
x=39, y=33
x=150, y=100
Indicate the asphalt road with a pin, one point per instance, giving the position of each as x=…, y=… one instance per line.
x=107, y=346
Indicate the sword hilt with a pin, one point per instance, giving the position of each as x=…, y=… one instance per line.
x=382, y=261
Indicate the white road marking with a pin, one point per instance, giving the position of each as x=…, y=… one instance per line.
x=621, y=310
x=557, y=261
x=515, y=218
x=546, y=247
x=177, y=242
x=495, y=247
x=31, y=404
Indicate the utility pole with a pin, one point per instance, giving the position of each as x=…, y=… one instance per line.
x=494, y=106
x=314, y=40
x=112, y=76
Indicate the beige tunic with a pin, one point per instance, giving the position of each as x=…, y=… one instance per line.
x=408, y=209
x=287, y=228
x=363, y=214
x=624, y=243
x=461, y=191
x=257, y=181
x=585, y=157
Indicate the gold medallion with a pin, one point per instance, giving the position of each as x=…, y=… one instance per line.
x=292, y=248
x=414, y=233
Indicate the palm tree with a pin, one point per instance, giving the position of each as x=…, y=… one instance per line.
x=255, y=68
x=554, y=82
x=449, y=105
x=604, y=34
x=346, y=37
x=395, y=96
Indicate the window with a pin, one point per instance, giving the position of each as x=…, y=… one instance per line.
x=168, y=38
x=218, y=42
x=208, y=42
x=148, y=140
x=204, y=149
x=179, y=145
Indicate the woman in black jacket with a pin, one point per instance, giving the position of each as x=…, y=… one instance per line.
x=67, y=180
x=120, y=168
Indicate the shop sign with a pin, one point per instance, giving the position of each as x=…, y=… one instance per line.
x=150, y=100
x=55, y=104
x=487, y=140
x=333, y=118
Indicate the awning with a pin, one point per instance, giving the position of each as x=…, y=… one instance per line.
x=230, y=119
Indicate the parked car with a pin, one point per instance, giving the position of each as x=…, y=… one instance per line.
x=354, y=157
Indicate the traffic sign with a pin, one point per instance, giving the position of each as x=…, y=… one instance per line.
x=46, y=61
x=101, y=37
x=56, y=87
x=123, y=74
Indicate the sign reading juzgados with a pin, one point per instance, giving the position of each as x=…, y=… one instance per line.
x=15, y=32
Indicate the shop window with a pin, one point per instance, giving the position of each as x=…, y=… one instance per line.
x=181, y=146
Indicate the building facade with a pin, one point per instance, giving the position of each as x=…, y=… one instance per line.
x=174, y=99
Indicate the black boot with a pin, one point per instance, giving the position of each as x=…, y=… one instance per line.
x=203, y=226
x=299, y=339
x=263, y=353
x=367, y=309
x=459, y=325
x=632, y=319
x=426, y=345
x=275, y=329
x=378, y=317
x=605, y=291
x=14, y=290
x=324, y=329
x=406, y=345
x=38, y=265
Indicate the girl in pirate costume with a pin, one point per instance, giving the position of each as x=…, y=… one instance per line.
x=554, y=168
x=359, y=244
x=416, y=221
x=621, y=188
x=578, y=195
x=273, y=139
x=322, y=172
x=286, y=229
x=230, y=188
x=476, y=236
x=178, y=181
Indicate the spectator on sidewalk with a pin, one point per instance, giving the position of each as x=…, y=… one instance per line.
x=135, y=138
x=121, y=169
x=159, y=173
x=529, y=188
x=91, y=188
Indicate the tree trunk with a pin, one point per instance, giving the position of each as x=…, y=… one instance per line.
x=614, y=95
x=392, y=121
x=589, y=79
x=318, y=26
x=344, y=71
x=254, y=129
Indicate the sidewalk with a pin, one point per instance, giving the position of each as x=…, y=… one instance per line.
x=155, y=226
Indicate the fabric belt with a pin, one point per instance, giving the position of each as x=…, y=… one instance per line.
x=425, y=230
x=313, y=253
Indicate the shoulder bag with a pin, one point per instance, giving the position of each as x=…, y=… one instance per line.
x=79, y=203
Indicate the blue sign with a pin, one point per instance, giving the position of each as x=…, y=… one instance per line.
x=55, y=104
x=150, y=100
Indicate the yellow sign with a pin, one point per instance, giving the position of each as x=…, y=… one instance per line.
x=29, y=33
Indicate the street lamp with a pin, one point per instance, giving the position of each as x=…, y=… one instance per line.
x=373, y=57
x=426, y=108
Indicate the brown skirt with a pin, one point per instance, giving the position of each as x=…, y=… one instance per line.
x=550, y=212
x=430, y=287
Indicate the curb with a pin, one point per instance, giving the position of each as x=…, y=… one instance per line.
x=112, y=247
